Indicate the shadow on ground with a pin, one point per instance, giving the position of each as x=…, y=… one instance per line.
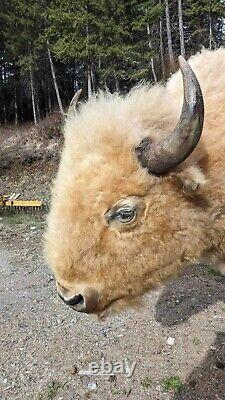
x=198, y=288
x=207, y=382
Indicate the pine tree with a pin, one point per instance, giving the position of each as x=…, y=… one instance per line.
x=51, y=48
x=206, y=19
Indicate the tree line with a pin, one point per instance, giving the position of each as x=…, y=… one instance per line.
x=51, y=48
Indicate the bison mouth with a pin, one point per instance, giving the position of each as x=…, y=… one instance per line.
x=118, y=305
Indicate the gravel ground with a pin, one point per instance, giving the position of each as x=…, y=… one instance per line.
x=176, y=340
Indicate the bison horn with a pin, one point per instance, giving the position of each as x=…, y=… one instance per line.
x=73, y=103
x=160, y=157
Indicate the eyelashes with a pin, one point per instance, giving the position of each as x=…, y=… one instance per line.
x=124, y=214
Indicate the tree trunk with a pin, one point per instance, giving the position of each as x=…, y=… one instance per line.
x=151, y=59
x=89, y=82
x=169, y=37
x=4, y=113
x=89, y=72
x=117, y=84
x=49, y=100
x=5, y=75
x=21, y=114
x=55, y=81
x=32, y=95
x=44, y=88
x=4, y=98
x=153, y=69
x=162, y=47
x=181, y=28
x=210, y=32
x=38, y=110
x=16, y=107
x=93, y=80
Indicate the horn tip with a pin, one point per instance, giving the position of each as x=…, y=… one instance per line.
x=182, y=62
x=75, y=98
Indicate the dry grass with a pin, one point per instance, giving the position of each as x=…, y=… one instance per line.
x=26, y=144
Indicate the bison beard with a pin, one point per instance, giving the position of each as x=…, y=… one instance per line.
x=132, y=203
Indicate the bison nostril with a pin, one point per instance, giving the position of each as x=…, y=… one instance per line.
x=75, y=300
x=88, y=302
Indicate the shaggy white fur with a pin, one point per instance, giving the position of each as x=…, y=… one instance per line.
x=176, y=221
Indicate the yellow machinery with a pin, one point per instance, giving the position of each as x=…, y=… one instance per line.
x=12, y=203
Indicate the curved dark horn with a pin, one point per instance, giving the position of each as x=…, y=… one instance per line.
x=160, y=157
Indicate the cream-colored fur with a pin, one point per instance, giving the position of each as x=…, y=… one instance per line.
x=99, y=167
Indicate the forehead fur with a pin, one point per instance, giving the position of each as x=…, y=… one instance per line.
x=126, y=119
x=99, y=148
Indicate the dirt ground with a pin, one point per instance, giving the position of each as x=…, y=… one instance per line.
x=177, y=340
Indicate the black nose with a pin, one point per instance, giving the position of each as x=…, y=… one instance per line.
x=74, y=301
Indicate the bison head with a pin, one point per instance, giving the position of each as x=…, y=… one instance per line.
x=119, y=221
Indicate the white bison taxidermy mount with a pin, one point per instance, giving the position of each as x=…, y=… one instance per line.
x=135, y=199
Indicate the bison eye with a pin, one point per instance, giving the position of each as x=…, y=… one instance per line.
x=125, y=215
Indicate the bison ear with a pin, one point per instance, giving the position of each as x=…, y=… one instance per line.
x=192, y=179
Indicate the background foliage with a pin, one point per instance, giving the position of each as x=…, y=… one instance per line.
x=92, y=45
